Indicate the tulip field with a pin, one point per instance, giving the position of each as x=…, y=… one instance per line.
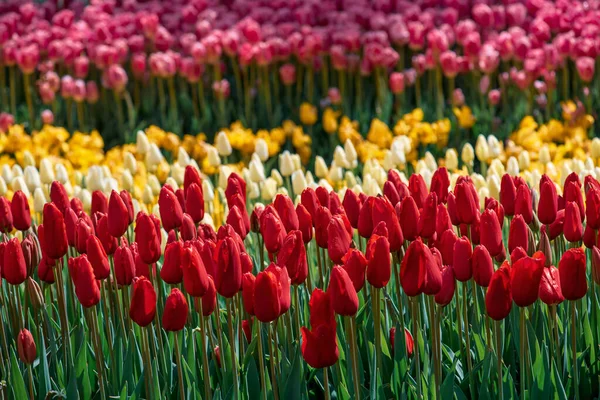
x=283, y=199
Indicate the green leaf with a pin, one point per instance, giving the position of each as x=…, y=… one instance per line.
x=16, y=379
x=447, y=389
x=44, y=383
x=294, y=381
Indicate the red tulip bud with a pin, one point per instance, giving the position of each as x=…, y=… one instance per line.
x=342, y=292
x=26, y=347
x=143, y=302
x=21, y=215
x=175, y=312
x=498, y=298
x=572, y=271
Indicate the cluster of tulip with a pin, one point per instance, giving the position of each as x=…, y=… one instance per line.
x=121, y=302
x=111, y=65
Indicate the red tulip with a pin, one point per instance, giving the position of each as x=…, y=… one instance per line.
x=408, y=340
x=59, y=196
x=446, y=293
x=246, y=261
x=26, y=347
x=452, y=211
x=342, y=292
x=433, y=279
x=494, y=205
x=352, y=205
x=413, y=270
x=228, y=279
x=461, y=262
x=207, y=251
x=98, y=258
x=305, y=224
x=322, y=196
x=390, y=192
x=171, y=213
x=548, y=203
x=109, y=242
x=55, y=232
x=188, y=229
x=148, y=239
x=86, y=285
x=592, y=209
x=445, y=245
x=321, y=221
x=171, y=271
x=508, y=194
x=285, y=208
x=235, y=185
x=440, y=183
x=483, y=266
x=408, y=214
x=442, y=220
x=418, y=189
x=309, y=200
x=6, y=218
x=143, y=302
x=572, y=192
x=126, y=197
x=70, y=225
x=235, y=218
x=379, y=263
x=355, y=265
x=365, y=218
x=319, y=344
x=82, y=232
x=384, y=211
x=266, y=296
x=21, y=215
x=518, y=235
x=525, y=276
x=550, y=292
x=490, y=234
x=195, y=279
x=31, y=253
x=338, y=239
x=118, y=215
x=272, y=229
x=124, y=266
x=244, y=220
x=248, y=281
x=284, y=292
x=191, y=176
x=292, y=256
x=209, y=300
x=175, y=312
x=467, y=204
x=247, y=328
x=572, y=228
x=498, y=298
x=572, y=272
x=194, y=201
x=555, y=229
x=14, y=268
x=46, y=270
x=76, y=205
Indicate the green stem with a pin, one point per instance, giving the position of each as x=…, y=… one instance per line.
x=261, y=361
x=415, y=317
x=179, y=369
x=232, y=348
x=574, y=350
x=326, y=384
x=499, y=358
x=29, y=101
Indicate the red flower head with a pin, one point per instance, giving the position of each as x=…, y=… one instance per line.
x=195, y=278
x=126, y=197
x=321, y=221
x=445, y=244
x=285, y=299
x=523, y=203
x=14, y=268
x=408, y=339
x=98, y=258
x=445, y=295
x=322, y=196
x=355, y=265
x=498, y=298
x=319, y=344
x=518, y=235
x=433, y=280
x=209, y=300
x=6, y=218
x=59, y=196
x=550, y=292
x=571, y=268
x=342, y=292
x=228, y=279
x=171, y=271
x=194, y=202
x=365, y=218
x=525, y=277
x=55, y=233
x=86, y=285
x=99, y=202
x=191, y=176
x=548, y=203
x=188, y=229
x=408, y=214
x=338, y=239
x=309, y=200
x=21, y=215
x=379, y=263
x=82, y=232
x=494, y=205
x=483, y=266
x=467, y=203
x=572, y=228
x=413, y=270
x=171, y=213
x=147, y=236
x=596, y=265
x=390, y=192
x=285, y=208
x=418, y=189
x=305, y=223
x=175, y=312
x=384, y=211
x=109, y=242
x=26, y=347
x=461, y=261
x=442, y=220
x=124, y=265
x=592, y=210
x=508, y=194
x=490, y=233
x=292, y=256
x=440, y=183
x=267, y=305
x=143, y=302
x=118, y=215
x=248, y=281
x=272, y=229
x=235, y=185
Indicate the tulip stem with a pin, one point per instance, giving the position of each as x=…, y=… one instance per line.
x=297, y=313
x=261, y=361
x=574, y=349
x=29, y=101
x=98, y=351
x=434, y=335
x=147, y=362
x=218, y=325
x=354, y=355
x=326, y=384
x=522, y=352
x=468, y=341
x=415, y=320
x=62, y=310
x=499, y=358
x=272, y=360
x=30, y=370
x=318, y=249
x=232, y=348
x=203, y=333
x=179, y=369
x=398, y=290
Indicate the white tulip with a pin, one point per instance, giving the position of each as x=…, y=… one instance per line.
x=321, y=169
x=183, y=159
x=451, y=160
x=32, y=178
x=309, y=178
x=213, y=156
x=127, y=181
x=46, y=172
x=38, y=200
x=222, y=144
x=19, y=183
x=430, y=161
x=467, y=154
x=147, y=195
x=350, y=179
x=154, y=184
x=17, y=171
x=224, y=172
x=7, y=174
x=257, y=170
x=512, y=167
x=482, y=149
x=129, y=162
x=493, y=184
x=339, y=156
x=269, y=189
x=142, y=144
x=261, y=149
x=86, y=199
x=153, y=156
x=524, y=160
x=325, y=184
x=178, y=173
x=253, y=190
x=544, y=155
x=286, y=164
x=298, y=182
x=595, y=150
x=277, y=177
x=61, y=173
x=28, y=160
x=350, y=151
x=172, y=182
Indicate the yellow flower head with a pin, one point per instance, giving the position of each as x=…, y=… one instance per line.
x=465, y=117
x=308, y=114
x=380, y=134
x=330, y=124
